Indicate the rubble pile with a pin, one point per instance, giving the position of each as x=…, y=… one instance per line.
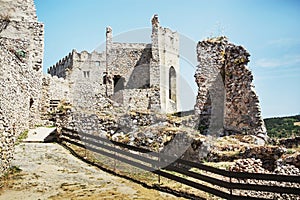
x=293, y=159
x=252, y=165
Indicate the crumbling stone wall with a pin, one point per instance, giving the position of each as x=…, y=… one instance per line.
x=138, y=99
x=225, y=83
x=21, y=53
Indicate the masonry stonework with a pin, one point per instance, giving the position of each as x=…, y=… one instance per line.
x=21, y=53
x=136, y=75
x=164, y=65
x=138, y=79
x=225, y=83
x=54, y=90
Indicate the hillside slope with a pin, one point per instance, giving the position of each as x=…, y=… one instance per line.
x=283, y=127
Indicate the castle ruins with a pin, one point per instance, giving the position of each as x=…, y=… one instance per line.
x=136, y=75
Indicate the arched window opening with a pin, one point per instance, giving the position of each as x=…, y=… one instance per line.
x=172, y=83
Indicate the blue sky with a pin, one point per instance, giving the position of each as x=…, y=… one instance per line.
x=269, y=30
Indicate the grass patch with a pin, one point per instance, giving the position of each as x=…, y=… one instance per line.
x=291, y=151
x=22, y=136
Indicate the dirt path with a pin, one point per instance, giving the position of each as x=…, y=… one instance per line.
x=49, y=171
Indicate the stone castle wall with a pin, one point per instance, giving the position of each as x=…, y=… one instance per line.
x=128, y=65
x=86, y=73
x=226, y=89
x=18, y=10
x=127, y=72
x=131, y=62
x=242, y=104
x=21, y=52
x=82, y=72
x=137, y=99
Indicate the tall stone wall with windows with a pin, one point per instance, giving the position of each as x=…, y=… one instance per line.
x=86, y=74
x=21, y=53
x=226, y=96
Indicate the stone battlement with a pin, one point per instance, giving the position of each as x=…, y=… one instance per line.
x=59, y=69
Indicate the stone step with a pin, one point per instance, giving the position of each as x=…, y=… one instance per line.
x=40, y=134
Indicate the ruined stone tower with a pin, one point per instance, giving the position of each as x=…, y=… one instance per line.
x=226, y=100
x=136, y=75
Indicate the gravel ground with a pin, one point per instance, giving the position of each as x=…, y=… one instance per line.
x=49, y=171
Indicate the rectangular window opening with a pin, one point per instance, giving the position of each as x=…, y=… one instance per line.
x=86, y=74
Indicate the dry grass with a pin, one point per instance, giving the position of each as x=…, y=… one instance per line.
x=145, y=177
